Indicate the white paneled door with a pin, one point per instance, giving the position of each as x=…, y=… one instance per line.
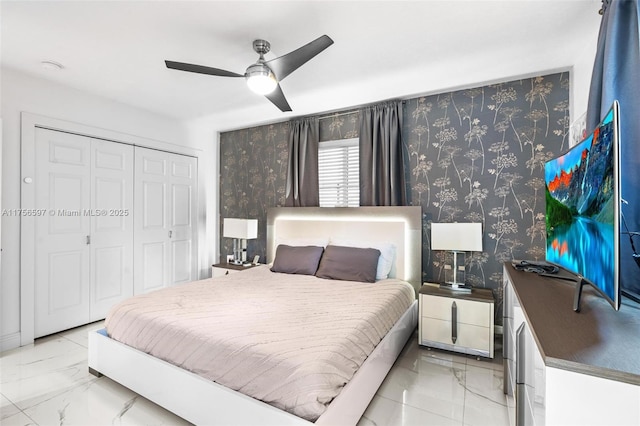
x=84, y=229
x=165, y=220
x=111, y=244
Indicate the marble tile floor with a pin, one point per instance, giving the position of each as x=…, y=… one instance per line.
x=47, y=383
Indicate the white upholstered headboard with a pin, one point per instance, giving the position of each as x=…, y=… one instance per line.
x=401, y=226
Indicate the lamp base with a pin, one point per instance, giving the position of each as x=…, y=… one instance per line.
x=454, y=272
x=457, y=287
x=239, y=251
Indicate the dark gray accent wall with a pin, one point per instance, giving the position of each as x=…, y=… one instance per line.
x=476, y=155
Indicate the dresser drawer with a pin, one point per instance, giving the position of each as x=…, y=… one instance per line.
x=469, y=312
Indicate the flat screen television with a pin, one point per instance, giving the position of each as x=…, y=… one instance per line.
x=583, y=210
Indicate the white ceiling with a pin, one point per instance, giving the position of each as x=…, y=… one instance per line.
x=383, y=49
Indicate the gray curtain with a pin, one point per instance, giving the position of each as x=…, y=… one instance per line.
x=302, y=172
x=616, y=75
x=383, y=179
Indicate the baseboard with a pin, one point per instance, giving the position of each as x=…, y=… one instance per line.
x=9, y=341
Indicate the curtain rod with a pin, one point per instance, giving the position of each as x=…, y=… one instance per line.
x=605, y=3
x=351, y=111
x=337, y=114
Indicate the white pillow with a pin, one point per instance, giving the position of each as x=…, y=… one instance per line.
x=387, y=254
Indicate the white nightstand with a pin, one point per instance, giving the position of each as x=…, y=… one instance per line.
x=461, y=322
x=220, y=269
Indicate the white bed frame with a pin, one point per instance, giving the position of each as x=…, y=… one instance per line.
x=203, y=402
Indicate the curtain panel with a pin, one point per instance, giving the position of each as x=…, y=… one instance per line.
x=382, y=156
x=616, y=76
x=302, y=188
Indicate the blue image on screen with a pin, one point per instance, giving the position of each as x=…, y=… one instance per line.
x=581, y=195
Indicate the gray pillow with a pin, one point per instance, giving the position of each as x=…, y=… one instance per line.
x=297, y=259
x=349, y=264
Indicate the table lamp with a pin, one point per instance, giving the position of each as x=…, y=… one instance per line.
x=240, y=230
x=457, y=238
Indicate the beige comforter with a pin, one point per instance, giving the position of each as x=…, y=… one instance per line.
x=292, y=341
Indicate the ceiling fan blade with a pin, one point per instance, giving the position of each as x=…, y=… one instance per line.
x=286, y=64
x=277, y=98
x=200, y=69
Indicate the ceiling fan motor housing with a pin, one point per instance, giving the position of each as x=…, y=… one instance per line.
x=259, y=68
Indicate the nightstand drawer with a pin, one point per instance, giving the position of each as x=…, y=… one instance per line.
x=468, y=336
x=469, y=312
x=219, y=272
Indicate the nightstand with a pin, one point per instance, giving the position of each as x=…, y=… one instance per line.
x=220, y=269
x=460, y=322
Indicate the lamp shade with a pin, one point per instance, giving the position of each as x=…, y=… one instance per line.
x=240, y=228
x=456, y=236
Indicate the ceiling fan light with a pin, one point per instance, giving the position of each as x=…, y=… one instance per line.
x=260, y=79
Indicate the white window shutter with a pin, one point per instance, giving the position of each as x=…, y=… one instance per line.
x=338, y=173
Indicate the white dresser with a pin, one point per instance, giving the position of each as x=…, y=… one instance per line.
x=567, y=368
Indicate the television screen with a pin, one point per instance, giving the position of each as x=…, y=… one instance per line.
x=582, y=208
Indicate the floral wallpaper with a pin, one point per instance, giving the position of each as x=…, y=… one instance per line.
x=475, y=155
x=478, y=155
x=253, y=177
x=253, y=172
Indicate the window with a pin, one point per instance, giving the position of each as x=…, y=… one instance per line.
x=338, y=173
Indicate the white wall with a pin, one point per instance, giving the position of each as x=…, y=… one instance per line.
x=20, y=93
x=205, y=129
x=581, y=77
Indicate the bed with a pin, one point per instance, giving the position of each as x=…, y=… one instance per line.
x=200, y=400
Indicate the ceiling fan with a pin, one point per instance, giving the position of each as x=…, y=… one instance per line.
x=264, y=77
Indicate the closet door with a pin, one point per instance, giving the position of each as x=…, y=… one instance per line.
x=111, y=248
x=84, y=241
x=62, y=179
x=165, y=217
x=182, y=202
